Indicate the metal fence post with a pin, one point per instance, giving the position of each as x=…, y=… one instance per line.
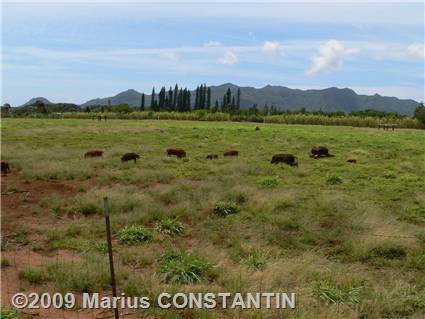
x=111, y=257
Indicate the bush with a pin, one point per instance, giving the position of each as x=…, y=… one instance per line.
x=5, y=263
x=87, y=208
x=256, y=259
x=331, y=292
x=169, y=227
x=226, y=208
x=388, y=251
x=134, y=234
x=269, y=181
x=33, y=275
x=333, y=180
x=183, y=268
x=9, y=314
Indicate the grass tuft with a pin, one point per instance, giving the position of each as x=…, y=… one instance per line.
x=134, y=234
x=171, y=227
x=183, y=268
x=224, y=209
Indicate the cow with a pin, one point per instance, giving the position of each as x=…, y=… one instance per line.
x=130, y=157
x=352, y=160
x=93, y=153
x=5, y=168
x=319, y=151
x=285, y=158
x=231, y=153
x=212, y=156
x=257, y=128
x=176, y=151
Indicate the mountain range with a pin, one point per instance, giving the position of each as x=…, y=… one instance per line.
x=328, y=100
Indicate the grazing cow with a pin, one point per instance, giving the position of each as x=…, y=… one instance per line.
x=231, y=153
x=93, y=153
x=257, y=128
x=5, y=168
x=285, y=158
x=176, y=151
x=352, y=160
x=212, y=156
x=320, y=151
x=129, y=157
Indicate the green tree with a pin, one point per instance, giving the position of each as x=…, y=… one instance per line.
x=170, y=99
x=153, y=99
x=420, y=113
x=238, y=99
x=197, y=103
x=41, y=107
x=175, y=95
x=228, y=97
x=142, y=102
x=161, y=99
x=208, y=106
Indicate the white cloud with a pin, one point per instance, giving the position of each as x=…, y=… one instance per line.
x=272, y=48
x=229, y=58
x=416, y=50
x=212, y=44
x=171, y=56
x=330, y=57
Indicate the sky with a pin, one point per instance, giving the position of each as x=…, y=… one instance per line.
x=73, y=52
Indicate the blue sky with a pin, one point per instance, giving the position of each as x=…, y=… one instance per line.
x=73, y=52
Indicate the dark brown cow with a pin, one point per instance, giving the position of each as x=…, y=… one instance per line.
x=285, y=158
x=93, y=153
x=320, y=151
x=352, y=160
x=5, y=168
x=176, y=151
x=257, y=128
x=212, y=156
x=130, y=157
x=231, y=153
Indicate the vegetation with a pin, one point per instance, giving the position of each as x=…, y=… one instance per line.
x=184, y=268
x=134, y=234
x=352, y=249
x=170, y=227
x=226, y=208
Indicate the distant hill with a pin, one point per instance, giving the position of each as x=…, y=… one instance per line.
x=35, y=99
x=328, y=100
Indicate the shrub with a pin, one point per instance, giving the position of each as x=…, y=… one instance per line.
x=82, y=276
x=33, y=275
x=331, y=292
x=333, y=180
x=87, y=208
x=134, y=234
x=256, y=259
x=169, y=227
x=388, y=251
x=9, y=314
x=183, y=268
x=269, y=181
x=5, y=263
x=226, y=208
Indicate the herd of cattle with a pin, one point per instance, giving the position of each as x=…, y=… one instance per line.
x=289, y=159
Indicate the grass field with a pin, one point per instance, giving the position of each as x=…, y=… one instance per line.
x=349, y=239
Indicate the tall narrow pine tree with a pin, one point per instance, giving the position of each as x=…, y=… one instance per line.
x=142, y=102
x=208, y=106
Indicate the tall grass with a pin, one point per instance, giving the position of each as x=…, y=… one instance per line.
x=290, y=118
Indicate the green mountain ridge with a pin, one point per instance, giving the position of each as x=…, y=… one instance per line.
x=327, y=100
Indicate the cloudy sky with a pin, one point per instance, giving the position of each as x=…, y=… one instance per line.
x=77, y=51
